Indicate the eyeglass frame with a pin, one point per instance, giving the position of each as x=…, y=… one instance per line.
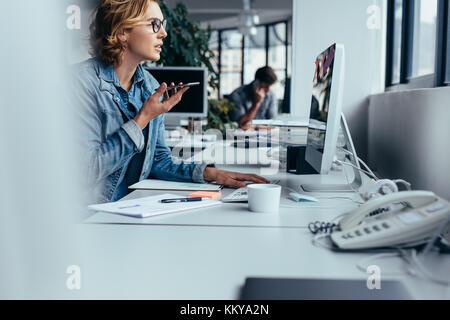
x=163, y=24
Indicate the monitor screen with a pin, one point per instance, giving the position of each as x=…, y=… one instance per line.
x=194, y=100
x=320, y=102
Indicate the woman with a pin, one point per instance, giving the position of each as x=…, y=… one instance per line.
x=121, y=106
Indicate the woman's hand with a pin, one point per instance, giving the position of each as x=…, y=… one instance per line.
x=152, y=107
x=231, y=179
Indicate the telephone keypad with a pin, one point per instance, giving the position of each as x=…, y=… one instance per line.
x=435, y=207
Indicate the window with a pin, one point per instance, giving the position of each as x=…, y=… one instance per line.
x=240, y=57
x=230, y=71
x=424, y=41
x=214, y=47
x=278, y=56
x=417, y=43
x=254, y=53
x=446, y=37
x=397, y=41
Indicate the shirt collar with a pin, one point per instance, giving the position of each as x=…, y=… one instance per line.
x=139, y=74
x=108, y=74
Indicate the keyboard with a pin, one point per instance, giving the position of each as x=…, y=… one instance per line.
x=240, y=195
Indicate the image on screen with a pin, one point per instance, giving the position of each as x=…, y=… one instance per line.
x=193, y=99
x=320, y=102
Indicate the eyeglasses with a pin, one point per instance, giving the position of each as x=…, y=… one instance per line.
x=155, y=23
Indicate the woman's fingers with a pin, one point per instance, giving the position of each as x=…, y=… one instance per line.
x=160, y=91
x=166, y=95
x=175, y=89
x=251, y=177
x=174, y=99
x=235, y=179
x=229, y=181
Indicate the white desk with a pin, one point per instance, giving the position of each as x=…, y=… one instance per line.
x=208, y=253
x=291, y=215
x=179, y=262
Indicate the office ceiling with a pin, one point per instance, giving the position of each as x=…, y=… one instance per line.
x=224, y=13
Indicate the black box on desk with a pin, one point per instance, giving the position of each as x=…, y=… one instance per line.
x=295, y=161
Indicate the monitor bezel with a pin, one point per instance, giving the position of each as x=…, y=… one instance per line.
x=322, y=162
x=184, y=115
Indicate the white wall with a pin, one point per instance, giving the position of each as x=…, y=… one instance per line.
x=316, y=25
x=408, y=137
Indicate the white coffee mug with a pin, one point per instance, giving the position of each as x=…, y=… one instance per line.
x=264, y=197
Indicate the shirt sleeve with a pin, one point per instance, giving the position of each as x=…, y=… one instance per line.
x=272, y=108
x=239, y=110
x=167, y=167
x=197, y=174
x=101, y=156
x=135, y=134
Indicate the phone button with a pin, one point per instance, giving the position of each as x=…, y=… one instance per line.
x=367, y=230
x=358, y=233
x=376, y=228
x=385, y=225
x=435, y=207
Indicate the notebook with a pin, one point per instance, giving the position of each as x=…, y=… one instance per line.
x=151, y=206
x=153, y=184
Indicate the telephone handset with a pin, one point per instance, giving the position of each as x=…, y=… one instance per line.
x=423, y=214
x=414, y=199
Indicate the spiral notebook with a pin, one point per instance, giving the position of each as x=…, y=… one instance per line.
x=151, y=206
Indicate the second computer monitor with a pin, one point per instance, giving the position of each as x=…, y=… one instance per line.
x=326, y=106
x=194, y=102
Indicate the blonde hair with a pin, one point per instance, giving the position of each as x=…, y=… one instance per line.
x=110, y=17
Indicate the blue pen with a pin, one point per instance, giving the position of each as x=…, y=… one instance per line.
x=181, y=200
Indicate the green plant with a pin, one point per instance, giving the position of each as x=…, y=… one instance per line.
x=218, y=114
x=187, y=43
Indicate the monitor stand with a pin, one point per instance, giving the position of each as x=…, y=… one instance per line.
x=357, y=181
x=171, y=122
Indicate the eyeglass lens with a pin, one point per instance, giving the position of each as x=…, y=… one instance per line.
x=156, y=24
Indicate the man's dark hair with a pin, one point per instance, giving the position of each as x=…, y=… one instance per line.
x=266, y=74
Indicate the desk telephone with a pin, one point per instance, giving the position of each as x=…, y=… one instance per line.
x=420, y=216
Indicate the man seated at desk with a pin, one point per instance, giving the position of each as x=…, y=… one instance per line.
x=254, y=100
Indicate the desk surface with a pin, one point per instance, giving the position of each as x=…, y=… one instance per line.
x=208, y=253
x=291, y=215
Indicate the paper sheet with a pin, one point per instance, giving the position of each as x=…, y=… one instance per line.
x=150, y=206
x=154, y=184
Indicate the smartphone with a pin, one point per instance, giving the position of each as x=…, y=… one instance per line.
x=192, y=84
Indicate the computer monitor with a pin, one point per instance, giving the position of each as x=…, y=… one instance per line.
x=327, y=120
x=326, y=106
x=194, y=102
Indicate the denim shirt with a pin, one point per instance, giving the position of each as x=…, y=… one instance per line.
x=109, y=138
